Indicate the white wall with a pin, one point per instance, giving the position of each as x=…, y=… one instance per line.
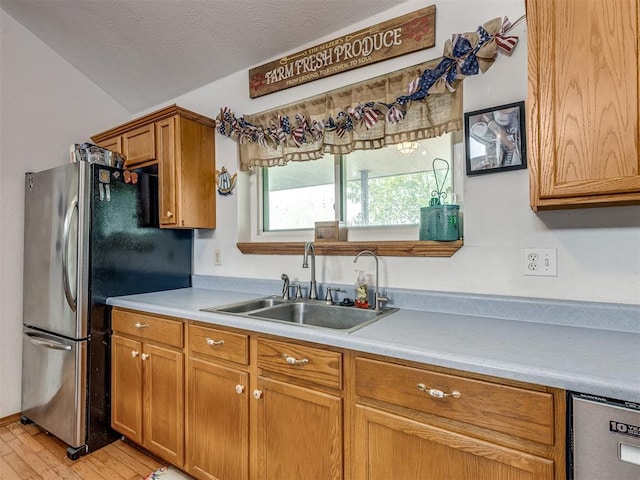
x=598, y=249
x=45, y=105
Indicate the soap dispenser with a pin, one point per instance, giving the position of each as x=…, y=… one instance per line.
x=362, y=291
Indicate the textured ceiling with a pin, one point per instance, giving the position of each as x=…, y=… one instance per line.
x=144, y=52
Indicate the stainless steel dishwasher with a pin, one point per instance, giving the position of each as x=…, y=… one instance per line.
x=604, y=436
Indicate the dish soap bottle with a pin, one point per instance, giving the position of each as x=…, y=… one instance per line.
x=362, y=291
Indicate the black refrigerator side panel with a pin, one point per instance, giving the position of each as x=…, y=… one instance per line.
x=99, y=432
x=129, y=253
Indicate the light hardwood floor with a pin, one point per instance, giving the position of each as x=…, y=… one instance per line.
x=26, y=452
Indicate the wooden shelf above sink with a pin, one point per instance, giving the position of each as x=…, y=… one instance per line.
x=380, y=248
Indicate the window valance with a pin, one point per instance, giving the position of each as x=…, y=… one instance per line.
x=435, y=115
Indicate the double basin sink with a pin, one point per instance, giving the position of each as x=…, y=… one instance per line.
x=312, y=313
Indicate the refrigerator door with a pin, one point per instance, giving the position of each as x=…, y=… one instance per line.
x=55, y=266
x=129, y=253
x=54, y=384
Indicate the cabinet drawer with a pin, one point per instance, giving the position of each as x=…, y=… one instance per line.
x=148, y=327
x=315, y=365
x=212, y=342
x=515, y=411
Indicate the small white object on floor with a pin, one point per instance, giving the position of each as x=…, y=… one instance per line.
x=167, y=473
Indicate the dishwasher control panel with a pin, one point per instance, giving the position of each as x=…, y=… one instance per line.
x=604, y=438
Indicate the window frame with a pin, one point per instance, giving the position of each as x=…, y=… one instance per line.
x=291, y=242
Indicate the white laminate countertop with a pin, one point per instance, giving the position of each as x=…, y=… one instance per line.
x=588, y=360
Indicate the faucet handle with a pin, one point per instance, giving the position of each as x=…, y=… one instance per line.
x=285, y=287
x=298, y=288
x=328, y=298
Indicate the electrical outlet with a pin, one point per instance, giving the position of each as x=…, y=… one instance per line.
x=217, y=257
x=540, y=262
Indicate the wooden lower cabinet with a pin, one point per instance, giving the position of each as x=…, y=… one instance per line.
x=298, y=408
x=217, y=403
x=253, y=406
x=126, y=387
x=418, y=421
x=299, y=432
x=163, y=428
x=147, y=383
x=217, y=421
x=390, y=446
x=147, y=396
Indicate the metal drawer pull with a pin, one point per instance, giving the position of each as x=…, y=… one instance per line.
x=211, y=341
x=438, y=393
x=294, y=361
x=141, y=325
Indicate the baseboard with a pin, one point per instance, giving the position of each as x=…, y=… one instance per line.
x=10, y=419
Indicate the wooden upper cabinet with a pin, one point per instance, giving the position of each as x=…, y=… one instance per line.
x=165, y=146
x=583, y=105
x=182, y=144
x=139, y=147
x=185, y=149
x=114, y=144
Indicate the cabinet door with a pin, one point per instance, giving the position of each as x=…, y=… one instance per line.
x=126, y=387
x=166, y=150
x=163, y=370
x=388, y=446
x=217, y=421
x=139, y=146
x=583, y=102
x=195, y=174
x=299, y=432
x=114, y=144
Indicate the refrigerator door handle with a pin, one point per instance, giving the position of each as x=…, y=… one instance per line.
x=49, y=344
x=71, y=298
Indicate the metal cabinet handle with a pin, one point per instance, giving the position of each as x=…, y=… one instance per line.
x=134, y=353
x=211, y=341
x=294, y=361
x=257, y=394
x=141, y=325
x=435, y=393
x=239, y=389
x=144, y=356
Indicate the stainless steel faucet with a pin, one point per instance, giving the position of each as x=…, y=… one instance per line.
x=310, y=249
x=379, y=299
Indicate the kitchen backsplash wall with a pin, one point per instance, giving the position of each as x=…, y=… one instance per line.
x=598, y=249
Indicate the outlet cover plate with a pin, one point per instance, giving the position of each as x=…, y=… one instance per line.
x=540, y=262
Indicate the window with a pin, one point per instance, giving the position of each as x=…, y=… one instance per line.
x=298, y=194
x=367, y=188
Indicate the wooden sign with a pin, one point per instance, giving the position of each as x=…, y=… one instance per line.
x=399, y=36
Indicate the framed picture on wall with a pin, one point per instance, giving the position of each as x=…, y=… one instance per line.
x=495, y=139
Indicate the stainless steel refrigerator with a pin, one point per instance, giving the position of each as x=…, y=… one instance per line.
x=90, y=232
